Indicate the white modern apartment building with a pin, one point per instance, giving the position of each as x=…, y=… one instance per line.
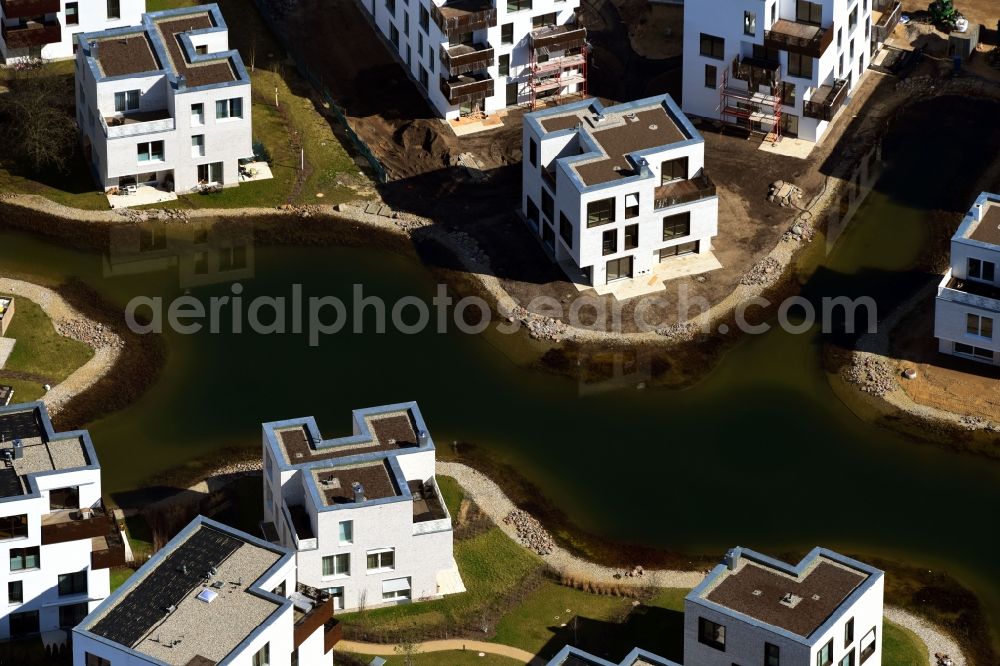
x=57, y=542
x=751, y=609
x=778, y=65
x=571, y=656
x=213, y=595
x=166, y=103
x=363, y=512
x=47, y=29
x=615, y=192
x=473, y=57
x=967, y=311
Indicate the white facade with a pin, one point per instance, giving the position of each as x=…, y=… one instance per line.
x=390, y=543
x=658, y=189
x=47, y=29
x=481, y=55
x=50, y=516
x=825, y=611
x=251, y=614
x=179, y=120
x=967, y=310
x=804, y=66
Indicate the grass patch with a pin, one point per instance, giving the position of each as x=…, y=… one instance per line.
x=452, y=494
x=40, y=352
x=901, y=647
x=119, y=575
x=140, y=537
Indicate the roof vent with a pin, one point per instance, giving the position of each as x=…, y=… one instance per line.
x=207, y=595
x=359, y=492
x=632, y=117
x=18, y=449
x=391, y=441
x=790, y=600
x=757, y=593
x=423, y=438
x=732, y=558
x=815, y=597
x=653, y=127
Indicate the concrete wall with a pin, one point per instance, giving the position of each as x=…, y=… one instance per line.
x=950, y=327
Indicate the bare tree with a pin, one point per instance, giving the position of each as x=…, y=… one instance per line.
x=408, y=650
x=37, y=115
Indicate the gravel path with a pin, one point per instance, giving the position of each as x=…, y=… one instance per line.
x=389, y=649
x=492, y=501
x=72, y=324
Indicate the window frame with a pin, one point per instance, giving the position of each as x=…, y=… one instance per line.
x=705, y=627
x=631, y=236
x=117, y=14
x=23, y=556
x=981, y=272
x=983, y=328
x=866, y=652
x=72, y=583
x=712, y=46
x=711, y=75
x=380, y=553
x=824, y=656
x=601, y=212
x=673, y=220
x=609, y=242
x=14, y=527
x=772, y=654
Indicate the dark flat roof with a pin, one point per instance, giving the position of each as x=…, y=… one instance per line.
x=558, y=123
x=390, y=433
x=757, y=591
x=126, y=54
x=335, y=484
x=988, y=229
x=19, y=425
x=198, y=74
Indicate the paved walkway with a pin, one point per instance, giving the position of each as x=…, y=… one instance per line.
x=389, y=649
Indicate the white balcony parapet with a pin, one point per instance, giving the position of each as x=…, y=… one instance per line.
x=949, y=293
x=137, y=128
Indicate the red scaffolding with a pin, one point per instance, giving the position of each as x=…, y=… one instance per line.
x=557, y=74
x=751, y=108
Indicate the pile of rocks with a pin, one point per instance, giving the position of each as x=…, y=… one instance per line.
x=468, y=247
x=539, y=327
x=872, y=374
x=977, y=423
x=682, y=332
x=152, y=214
x=530, y=532
x=799, y=232
x=764, y=272
x=92, y=334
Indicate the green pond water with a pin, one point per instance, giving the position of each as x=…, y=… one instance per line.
x=759, y=453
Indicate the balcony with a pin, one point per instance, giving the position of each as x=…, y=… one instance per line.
x=683, y=192
x=302, y=531
x=969, y=292
x=135, y=124
x=32, y=34
x=466, y=88
x=885, y=18
x=826, y=101
x=14, y=9
x=757, y=71
x=553, y=38
x=802, y=38
x=465, y=58
x=461, y=16
x=107, y=551
x=74, y=524
x=429, y=514
x=307, y=622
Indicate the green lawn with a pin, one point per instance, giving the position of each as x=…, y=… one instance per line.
x=139, y=536
x=452, y=494
x=119, y=575
x=41, y=356
x=901, y=647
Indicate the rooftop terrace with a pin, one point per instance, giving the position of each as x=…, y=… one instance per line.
x=27, y=447
x=337, y=484
x=123, y=55
x=799, y=603
x=988, y=228
x=619, y=132
x=162, y=612
x=390, y=431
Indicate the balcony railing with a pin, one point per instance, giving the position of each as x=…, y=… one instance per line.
x=465, y=88
x=137, y=124
x=554, y=38
x=826, y=101
x=465, y=58
x=683, y=191
x=757, y=71
x=969, y=292
x=72, y=525
x=802, y=38
x=32, y=33
x=13, y=9
x=890, y=14
x=333, y=633
x=309, y=623
x=461, y=16
x=108, y=552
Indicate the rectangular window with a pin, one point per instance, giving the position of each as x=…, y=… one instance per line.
x=151, y=151
x=543, y=20
x=600, y=212
x=15, y=592
x=609, y=242
x=424, y=19
x=619, y=269
x=711, y=634
x=14, y=527
x=678, y=250
x=72, y=13
x=979, y=325
x=503, y=64
x=772, y=655
x=825, y=655
x=532, y=210
x=71, y=615
x=676, y=226
x=977, y=352
x=809, y=12
x=566, y=230
x=94, y=660
x=198, y=114
x=406, y=24
x=263, y=656
x=673, y=170
x=198, y=145
x=518, y=5
x=548, y=206
x=631, y=206
x=338, y=597
x=982, y=270
x=840, y=38
x=788, y=94
x=381, y=560
x=532, y=153
x=345, y=532
x=391, y=6
x=711, y=76
x=631, y=236
x=851, y=49
x=23, y=624
x=852, y=19
x=867, y=645
x=800, y=66
x=848, y=659
x=337, y=565
x=507, y=33
x=849, y=632
x=395, y=588
x=114, y=9
x=127, y=100
x=73, y=583
x=24, y=558
x=750, y=23
x=229, y=108
x=713, y=47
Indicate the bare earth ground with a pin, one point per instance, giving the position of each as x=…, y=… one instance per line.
x=656, y=30
x=984, y=12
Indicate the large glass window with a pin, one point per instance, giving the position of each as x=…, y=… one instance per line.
x=198, y=145
x=73, y=583
x=151, y=151
x=672, y=170
x=23, y=624
x=548, y=206
x=979, y=325
x=809, y=12
x=518, y=5
x=543, y=20
x=976, y=352
x=713, y=47
x=425, y=19
x=772, y=655
x=678, y=250
x=600, y=212
x=982, y=270
x=848, y=659
x=14, y=527
x=337, y=565
x=395, y=588
x=346, y=531
x=676, y=226
x=825, y=655
x=229, y=108
x=71, y=615
x=532, y=152
x=619, y=269
x=381, y=559
x=800, y=66
x=609, y=242
x=632, y=206
x=126, y=100
x=868, y=645
x=503, y=64
x=711, y=634
x=631, y=236
x=24, y=558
